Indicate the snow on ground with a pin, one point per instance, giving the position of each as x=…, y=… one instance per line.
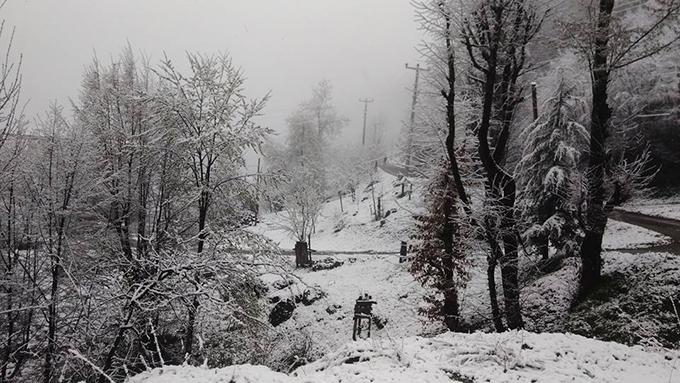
x=667, y=207
x=517, y=356
x=354, y=229
x=394, y=354
x=545, y=300
x=328, y=321
x=621, y=235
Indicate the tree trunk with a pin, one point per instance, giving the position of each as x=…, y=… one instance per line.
x=493, y=297
x=189, y=336
x=513, y=312
x=52, y=324
x=450, y=309
x=509, y=262
x=203, y=205
x=596, y=219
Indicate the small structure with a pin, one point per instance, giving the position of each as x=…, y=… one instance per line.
x=363, y=315
x=403, y=252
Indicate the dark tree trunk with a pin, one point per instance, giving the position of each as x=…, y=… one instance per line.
x=509, y=262
x=596, y=219
x=450, y=309
x=203, y=205
x=189, y=336
x=493, y=296
x=108, y=361
x=513, y=312
x=495, y=254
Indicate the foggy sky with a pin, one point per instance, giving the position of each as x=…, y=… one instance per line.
x=285, y=46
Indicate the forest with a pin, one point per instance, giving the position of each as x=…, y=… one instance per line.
x=522, y=223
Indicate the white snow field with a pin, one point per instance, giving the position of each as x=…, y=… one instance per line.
x=621, y=235
x=517, y=356
x=354, y=229
x=401, y=350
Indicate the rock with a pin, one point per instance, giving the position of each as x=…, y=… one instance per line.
x=326, y=264
x=282, y=283
x=310, y=296
x=281, y=312
x=332, y=309
x=379, y=321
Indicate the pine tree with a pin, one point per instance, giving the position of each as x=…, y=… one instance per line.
x=550, y=176
x=439, y=257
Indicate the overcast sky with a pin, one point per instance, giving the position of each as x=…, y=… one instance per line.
x=285, y=46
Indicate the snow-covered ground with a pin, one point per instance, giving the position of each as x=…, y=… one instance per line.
x=545, y=300
x=621, y=235
x=354, y=229
x=328, y=321
x=517, y=356
x=396, y=352
x=667, y=207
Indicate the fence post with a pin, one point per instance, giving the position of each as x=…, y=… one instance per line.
x=403, y=252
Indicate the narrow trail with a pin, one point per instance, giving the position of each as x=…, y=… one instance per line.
x=666, y=226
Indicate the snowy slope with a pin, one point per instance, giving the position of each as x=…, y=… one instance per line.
x=361, y=233
x=508, y=357
x=545, y=301
x=354, y=229
x=382, y=276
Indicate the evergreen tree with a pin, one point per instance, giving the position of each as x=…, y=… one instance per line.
x=439, y=257
x=550, y=178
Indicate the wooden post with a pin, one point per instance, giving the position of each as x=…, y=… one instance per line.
x=340, y=195
x=403, y=252
x=309, y=249
x=410, y=191
x=379, y=212
x=534, y=100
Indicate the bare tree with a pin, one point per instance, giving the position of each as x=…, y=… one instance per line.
x=610, y=43
x=495, y=36
x=439, y=252
x=216, y=123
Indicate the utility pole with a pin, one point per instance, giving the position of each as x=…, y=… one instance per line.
x=366, y=101
x=418, y=69
x=257, y=192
